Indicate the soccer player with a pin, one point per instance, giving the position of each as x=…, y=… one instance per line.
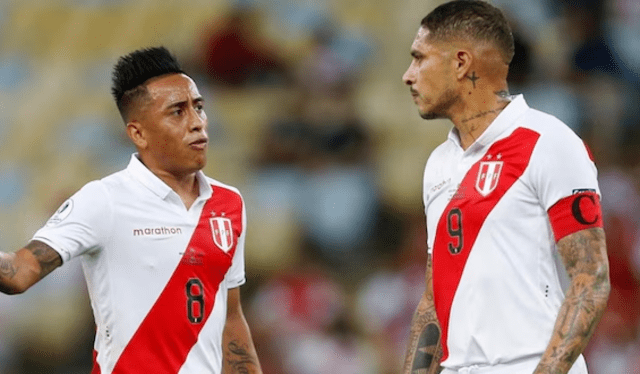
x=162, y=245
x=512, y=209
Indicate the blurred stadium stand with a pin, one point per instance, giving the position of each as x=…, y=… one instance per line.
x=321, y=136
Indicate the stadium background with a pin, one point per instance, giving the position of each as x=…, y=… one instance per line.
x=309, y=118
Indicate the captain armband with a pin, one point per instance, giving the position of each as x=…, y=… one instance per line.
x=574, y=213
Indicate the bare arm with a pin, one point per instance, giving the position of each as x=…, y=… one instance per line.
x=584, y=255
x=239, y=354
x=425, y=349
x=25, y=267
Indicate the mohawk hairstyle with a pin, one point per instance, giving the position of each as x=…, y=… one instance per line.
x=474, y=20
x=133, y=70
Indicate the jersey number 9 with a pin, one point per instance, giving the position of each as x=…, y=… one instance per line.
x=454, y=226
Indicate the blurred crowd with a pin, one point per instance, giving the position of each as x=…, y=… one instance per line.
x=309, y=127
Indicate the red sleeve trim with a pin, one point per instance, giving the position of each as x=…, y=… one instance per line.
x=574, y=213
x=586, y=146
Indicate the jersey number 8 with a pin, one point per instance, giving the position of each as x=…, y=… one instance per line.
x=195, y=300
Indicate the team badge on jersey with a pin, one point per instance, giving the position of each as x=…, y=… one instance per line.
x=488, y=176
x=222, y=232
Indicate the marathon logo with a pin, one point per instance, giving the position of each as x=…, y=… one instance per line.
x=157, y=231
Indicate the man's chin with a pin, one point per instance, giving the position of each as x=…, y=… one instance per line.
x=430, y=115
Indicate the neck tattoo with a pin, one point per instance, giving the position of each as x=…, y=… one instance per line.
x=481, y=114
x=473, y=78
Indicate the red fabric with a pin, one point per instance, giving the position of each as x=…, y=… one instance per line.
x=586, y=146
x=96, y=366
x=473, y=209
x=166, y=335
x=574, y=213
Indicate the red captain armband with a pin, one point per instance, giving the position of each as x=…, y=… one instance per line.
x=574, y=213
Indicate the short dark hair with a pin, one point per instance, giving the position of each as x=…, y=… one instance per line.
x=133, y=70
x=471, y=19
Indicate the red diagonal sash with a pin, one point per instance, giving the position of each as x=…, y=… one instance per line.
x=170, y=329
x=465, y=215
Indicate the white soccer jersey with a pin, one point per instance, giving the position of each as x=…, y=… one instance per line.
x=157, y=273
x=496, y=275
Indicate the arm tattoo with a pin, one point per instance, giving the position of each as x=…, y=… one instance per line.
x=425, y=351
x=428, y=353
x=7, y=268
x=584, y=255
x=48, y=258
x=239, y=358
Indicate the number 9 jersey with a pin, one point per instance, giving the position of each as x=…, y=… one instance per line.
x=494, y=214
x=157, y=272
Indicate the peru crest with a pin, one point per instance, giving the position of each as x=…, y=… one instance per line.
x=222, y=232
x=488, y=176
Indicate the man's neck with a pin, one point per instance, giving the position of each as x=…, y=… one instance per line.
x=480, y=110
x=184, y=184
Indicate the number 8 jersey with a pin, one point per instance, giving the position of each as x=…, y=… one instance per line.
x=494, y=213
x=157, y=273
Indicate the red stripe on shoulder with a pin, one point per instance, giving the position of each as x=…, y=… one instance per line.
x=574, y=213
x=486, y=182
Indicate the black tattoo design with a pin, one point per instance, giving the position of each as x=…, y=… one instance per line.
x=428, y=351
x=7, y=269
x=585, y=258
x=48, y=258
x=473, y=78
x=481, y=114
x=425, y=351
x=239, y=358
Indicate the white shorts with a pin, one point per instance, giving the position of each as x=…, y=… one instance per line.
x=520, y=367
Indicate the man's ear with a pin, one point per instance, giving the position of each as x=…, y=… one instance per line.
x=137, y=135
x=463, y=59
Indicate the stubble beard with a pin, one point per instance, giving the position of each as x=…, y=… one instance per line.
x=441, y=109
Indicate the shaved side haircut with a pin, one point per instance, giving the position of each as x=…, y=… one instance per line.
x=471, y=20
x=133, y=70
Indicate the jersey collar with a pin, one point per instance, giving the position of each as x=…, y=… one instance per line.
x=503, y=122
x=141, y=173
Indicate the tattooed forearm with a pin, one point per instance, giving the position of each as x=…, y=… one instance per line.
x=7, y=268
x=239, y=359
x=48, y=258
x=424, y=351
x=23, y=268
x=584, y=255
x=428, y=351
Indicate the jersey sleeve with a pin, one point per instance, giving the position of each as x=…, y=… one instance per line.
x=80, y=224
x=236, y=275
x=565, y=181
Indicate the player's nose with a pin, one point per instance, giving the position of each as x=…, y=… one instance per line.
x=197, y=121
x=408, y=77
